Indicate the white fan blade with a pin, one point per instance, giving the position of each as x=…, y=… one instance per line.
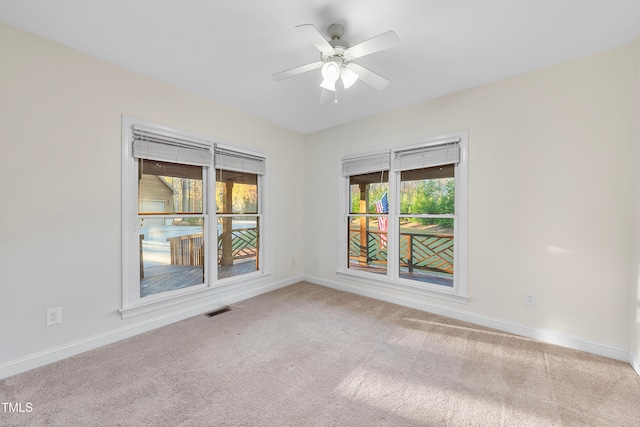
x=375, y=44
x=327, y=96
x=369, y=77
x=316, y=38
x=297, y=70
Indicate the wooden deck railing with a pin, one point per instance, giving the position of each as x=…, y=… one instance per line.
x=244, y=243
x=189, y=249
x=431, y=252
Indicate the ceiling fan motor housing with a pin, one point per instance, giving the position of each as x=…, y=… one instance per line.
x=335, y=31
x=340, y=47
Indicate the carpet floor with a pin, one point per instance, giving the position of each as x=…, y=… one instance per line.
x=307, y=355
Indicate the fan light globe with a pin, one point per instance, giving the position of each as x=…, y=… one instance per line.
x=348, y=77
x=330, y=73
x=328, y=84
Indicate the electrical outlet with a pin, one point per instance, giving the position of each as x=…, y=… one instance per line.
x=530, y=299
x=293, y=262
x=54, y=315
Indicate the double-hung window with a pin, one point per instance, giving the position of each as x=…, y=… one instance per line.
x=238, y=211
x=191, y=215
x=406, y=220
x=368, y=213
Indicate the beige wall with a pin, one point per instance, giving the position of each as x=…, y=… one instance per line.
x=550, y=206
x=549, y=195
x=635, y=283
x=60, y=224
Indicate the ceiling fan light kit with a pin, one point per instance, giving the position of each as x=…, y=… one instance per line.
x=330, y=74
x=336, y=56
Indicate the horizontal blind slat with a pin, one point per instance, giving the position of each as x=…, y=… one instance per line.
x=365, y=164
x=427, y=156
x=152, y=144
x=240, y=162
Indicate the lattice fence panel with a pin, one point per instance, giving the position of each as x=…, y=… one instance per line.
x=244, y=243
x=427, y=252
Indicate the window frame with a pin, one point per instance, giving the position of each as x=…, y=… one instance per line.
x=132, y=303
x=259, y=215
x=206, y=229
x=459, y=292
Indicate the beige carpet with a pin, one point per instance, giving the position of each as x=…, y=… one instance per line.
x=306, y=355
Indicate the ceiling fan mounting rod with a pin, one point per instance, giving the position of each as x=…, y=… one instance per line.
x=335, y=31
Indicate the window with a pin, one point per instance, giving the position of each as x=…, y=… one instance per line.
x=406, y=215
x=173, y=226
x=367, y=221
x=238, y=211
x=177, y=206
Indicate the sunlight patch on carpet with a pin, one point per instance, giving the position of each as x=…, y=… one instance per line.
x=433, y=403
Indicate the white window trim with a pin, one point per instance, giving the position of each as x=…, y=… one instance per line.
x=460, y=291
x=262, y=178
x=132, y=304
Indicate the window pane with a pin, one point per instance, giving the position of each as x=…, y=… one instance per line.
x=238, y=243
x=171, y=254
x=426, y=250
x=367, y=189
x=169, y=188
x=368, y=243
x=428, y=191
x=236, y=192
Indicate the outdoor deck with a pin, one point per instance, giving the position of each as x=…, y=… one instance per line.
x=171, y=277
x=426, y=258
x=423, y=257
x=419, y=276
x=183, y=258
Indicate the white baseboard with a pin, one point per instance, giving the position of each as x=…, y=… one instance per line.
x=634, y=360
x=226, y=296
x=55, y=354
x=548, y=336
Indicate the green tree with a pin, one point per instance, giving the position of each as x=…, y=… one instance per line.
x=432, y=196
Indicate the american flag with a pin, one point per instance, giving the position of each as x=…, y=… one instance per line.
x=382, y=206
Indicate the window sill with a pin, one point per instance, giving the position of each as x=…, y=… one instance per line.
x=443, y=294
x=174, y=300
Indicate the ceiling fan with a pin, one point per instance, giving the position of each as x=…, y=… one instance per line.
x=336, y=60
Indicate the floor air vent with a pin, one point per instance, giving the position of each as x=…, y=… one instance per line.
x=218, y=311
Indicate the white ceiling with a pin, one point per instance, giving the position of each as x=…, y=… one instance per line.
x=227, y=50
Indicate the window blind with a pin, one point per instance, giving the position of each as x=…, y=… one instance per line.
x=156, y=144
x=365, y=164
x=444, y=153
x=240, y=162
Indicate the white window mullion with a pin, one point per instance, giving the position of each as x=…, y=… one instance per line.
x=343, y=227
x=212, y=244
x=261, y=230
x=461, y=220
x=130, y=225
x=393, y=240
x=207, y=229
